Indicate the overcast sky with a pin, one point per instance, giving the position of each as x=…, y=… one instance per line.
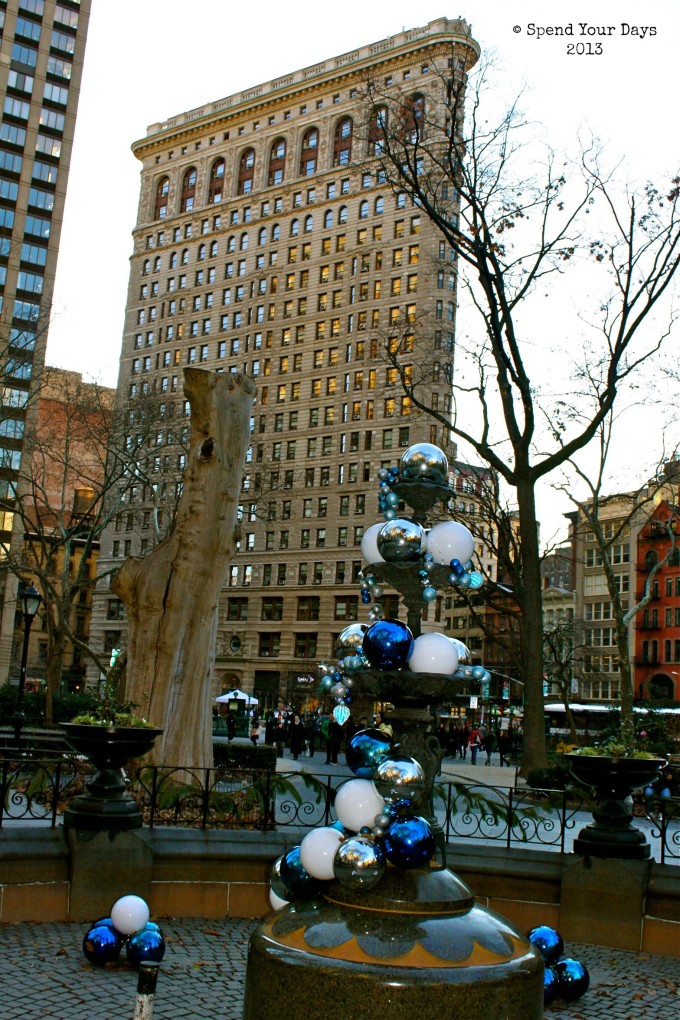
x=147, y=60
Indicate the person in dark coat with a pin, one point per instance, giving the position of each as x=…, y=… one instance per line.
x=489, y=743
x=335, y=734
x=504, y=747
x=297, y=737
x=280, y=737
x=231, y=727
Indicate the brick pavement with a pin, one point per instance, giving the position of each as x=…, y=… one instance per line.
x=44, y=974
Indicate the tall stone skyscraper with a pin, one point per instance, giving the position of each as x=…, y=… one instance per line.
x=42, y=44
x=267, y=242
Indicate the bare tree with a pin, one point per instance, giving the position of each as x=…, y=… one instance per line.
x=510, y=229
x=171, y=595
x=77, y=470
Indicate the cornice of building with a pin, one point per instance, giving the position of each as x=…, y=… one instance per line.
x=345, y=67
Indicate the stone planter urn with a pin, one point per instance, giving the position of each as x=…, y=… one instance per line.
x=613, y=780
x=106, y=805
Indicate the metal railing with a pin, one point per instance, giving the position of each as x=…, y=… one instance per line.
x=37, y=792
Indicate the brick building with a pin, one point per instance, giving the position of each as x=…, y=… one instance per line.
x=268, y=243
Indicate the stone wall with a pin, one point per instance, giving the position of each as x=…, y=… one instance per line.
x=48, y=876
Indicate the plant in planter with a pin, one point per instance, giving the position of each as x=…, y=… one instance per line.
x=109, y=736
x=614, y=769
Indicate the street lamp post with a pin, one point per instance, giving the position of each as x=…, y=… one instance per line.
x=30, y=599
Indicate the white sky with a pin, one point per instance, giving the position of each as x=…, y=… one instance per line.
x=147, y=60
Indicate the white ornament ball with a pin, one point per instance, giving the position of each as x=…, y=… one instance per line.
x=129, y=914
x=450, y=540
x=357, y=802
x=369, y=544
x=277, y=902
x=433, y=653
x=317, y=852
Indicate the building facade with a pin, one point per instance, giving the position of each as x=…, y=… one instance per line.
x=42, y=44
x=267, y=242
x=657, y=637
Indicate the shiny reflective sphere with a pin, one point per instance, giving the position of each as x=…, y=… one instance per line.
x=297, y=881
x=424, y=462
x=103, y=943
x=388, y=644
x=359, y=863
x=464, y=656
x=409, y=842
x=400, y=780
x=572, y=979
x=548, y=942
x=365, y=750
x=401, y=541
x=147, y=944
x=549, y=986
x=350, y=640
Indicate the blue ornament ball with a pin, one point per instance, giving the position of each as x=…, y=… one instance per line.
x=102, y=944
x=388, y=644
x=295, y=877
x=147, y=944
x=572, y=979
x=409, y=842
x=549, y=986
x=429, y=593
x=547, y=941
x=365, y=750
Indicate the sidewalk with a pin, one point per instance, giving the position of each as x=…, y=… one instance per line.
x=45, y=975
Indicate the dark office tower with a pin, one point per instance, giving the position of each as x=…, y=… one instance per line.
x=42, y=43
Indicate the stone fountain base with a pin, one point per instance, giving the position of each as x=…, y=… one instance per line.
x=414, y=947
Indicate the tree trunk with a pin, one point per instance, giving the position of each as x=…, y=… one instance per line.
x=171, y=595
x=531, y=630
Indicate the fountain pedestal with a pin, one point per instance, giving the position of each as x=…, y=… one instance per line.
x=414, y=947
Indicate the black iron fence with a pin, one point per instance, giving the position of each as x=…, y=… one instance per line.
x=35, y=792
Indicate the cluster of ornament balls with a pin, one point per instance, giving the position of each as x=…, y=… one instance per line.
x=564, y=978
x=377, y=823
x=400, y=540
x=127, y=926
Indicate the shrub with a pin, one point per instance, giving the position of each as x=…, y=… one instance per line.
x=245, y=756
x=553, y=777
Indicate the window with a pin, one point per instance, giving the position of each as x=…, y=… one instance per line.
x=277, y=162
x=161, y=203
x=377, y=127
x=237, y=609
x=308, y=607
x=188, y=193
x=414, y=118
x=272, y=608
x=342, y=142
x=346, y=607
x=308, y=152
x=270, y=645
x=246, y=172
x=216, y=181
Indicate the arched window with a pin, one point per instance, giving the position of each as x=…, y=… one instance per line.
x=328, y=219
x=308, y=152
x=200, y=255
x=294, y=228
x=185, y=257
x=379, y=206
x=277, y=162
x=276, y=232
x=246, y=172
x=188, y=196
x=363, y=209
x=160, y=210
x=309, y=224
x=231, y=243
x=377, y=130
x=342, y=142
x=173, y=260
x=146, y=266
x=216, y=184
x=213, y=249
x=342, y=214
x=414, y=118
x=157, y=264
x=262, y=235
x=243, y=244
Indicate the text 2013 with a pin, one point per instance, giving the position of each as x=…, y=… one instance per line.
x=587, y=49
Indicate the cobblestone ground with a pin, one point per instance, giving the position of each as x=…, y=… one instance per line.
x=44, y=974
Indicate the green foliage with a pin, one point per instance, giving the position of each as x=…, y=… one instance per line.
x=65, y=706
